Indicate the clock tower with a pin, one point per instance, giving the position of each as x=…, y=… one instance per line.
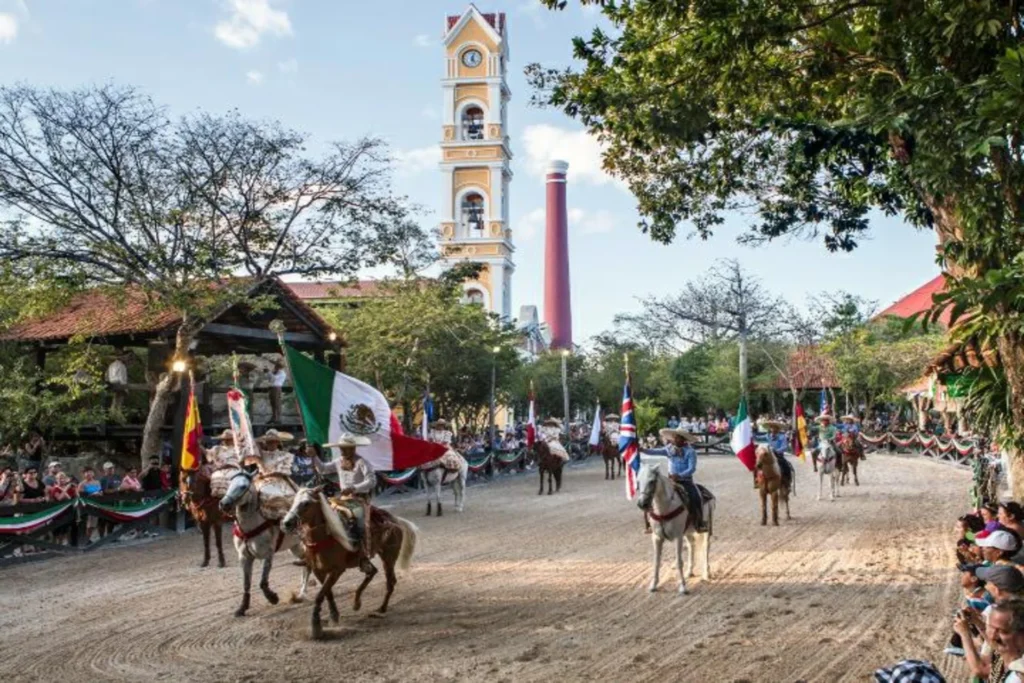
x=475, y=155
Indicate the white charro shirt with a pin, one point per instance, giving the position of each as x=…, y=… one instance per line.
x=222, y=455
x=277, y=461
x=361, y=478
x=277, y=379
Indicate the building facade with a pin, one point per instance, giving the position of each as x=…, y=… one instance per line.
x=475, y=155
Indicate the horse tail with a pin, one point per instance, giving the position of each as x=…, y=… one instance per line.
x=410, y=534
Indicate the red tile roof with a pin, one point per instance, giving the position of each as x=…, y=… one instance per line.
x=918, y=301
x=496, y=20
x=333, y=289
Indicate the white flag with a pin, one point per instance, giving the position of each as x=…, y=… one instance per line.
x=595, y=430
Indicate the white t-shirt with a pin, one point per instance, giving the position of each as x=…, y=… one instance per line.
x=117, y=373
x=277, y=379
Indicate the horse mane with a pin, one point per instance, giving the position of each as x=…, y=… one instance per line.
x=334, y=525
x=766, y=461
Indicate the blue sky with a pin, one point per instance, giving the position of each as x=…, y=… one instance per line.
x=339, y=69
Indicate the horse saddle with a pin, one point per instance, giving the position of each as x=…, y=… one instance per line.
x=353, y=515
x=705, y=495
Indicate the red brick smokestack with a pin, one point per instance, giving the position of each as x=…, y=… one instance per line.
x=557, y=308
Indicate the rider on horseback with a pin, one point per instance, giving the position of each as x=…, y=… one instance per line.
x=778, y=441
x=682, y=460
x=851, y=432
x=826, y=432
x=356, y=480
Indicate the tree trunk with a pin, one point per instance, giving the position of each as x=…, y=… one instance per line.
x=162, y=397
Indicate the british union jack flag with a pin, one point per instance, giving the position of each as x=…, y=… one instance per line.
x=629, y=447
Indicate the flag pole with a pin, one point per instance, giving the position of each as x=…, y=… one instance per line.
x=277, y=327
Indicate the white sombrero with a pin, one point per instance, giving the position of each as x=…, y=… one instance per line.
x=348, y=441
x=777, y=424
x=611, y=417
x=823, y=418
x=850, y=418
x=677, y=432
x=552, y=422
x=225, y=435
x=274, y=435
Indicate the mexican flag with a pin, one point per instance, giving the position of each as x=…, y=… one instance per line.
x=742, y=440
x=333, y=404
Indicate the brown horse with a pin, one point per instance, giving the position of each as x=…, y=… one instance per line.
x=610, y=453
x=330, y=550
x=852, y=452
x=198, y=498
x=769, y=481
x=548, y=462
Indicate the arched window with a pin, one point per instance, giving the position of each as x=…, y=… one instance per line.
x=474, y=296
x=473, y=123
x=473, y=215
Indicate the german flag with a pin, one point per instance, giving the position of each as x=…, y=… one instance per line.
x=800, y=433
x=191, y=445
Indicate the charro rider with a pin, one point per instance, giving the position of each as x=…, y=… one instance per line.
x=551, y=432
x=826, y=431
x=356, y=480
x=682, y=459
x=851, y=432
x=778, y=442
x=440, y=432
x=273, y=457
x=224, y=453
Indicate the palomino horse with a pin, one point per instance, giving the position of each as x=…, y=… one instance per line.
x=450, y=468
x=668, y=510
x=258, y=536
x=197, y=496
x=771, y=483
x=549, y=463
x=829, y=468
x=610, y=453
x=330, y=549
x=851, y=453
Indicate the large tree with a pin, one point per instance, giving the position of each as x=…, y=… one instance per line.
x=810, y=115
x=103, y=184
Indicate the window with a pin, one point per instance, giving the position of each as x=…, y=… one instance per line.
x=474, y=296
x=473, y=123
x=473, y=215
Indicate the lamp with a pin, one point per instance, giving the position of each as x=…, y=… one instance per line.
x=179, y=365
x=496, y=349
x=333, y=336
x=565, y=353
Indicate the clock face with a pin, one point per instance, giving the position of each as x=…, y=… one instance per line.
x=471, y=58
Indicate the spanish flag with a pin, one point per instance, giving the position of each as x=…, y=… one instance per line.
x=191, y=444
x=800, y=433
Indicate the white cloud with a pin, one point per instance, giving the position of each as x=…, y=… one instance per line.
x=414, y=161
x=534, y=10
x=423, y=40
x=581, y=221
x=249, y=21
x=254, y=77
x=429, y=113
x=289, y=66
x=545, y=142
x=8, y=28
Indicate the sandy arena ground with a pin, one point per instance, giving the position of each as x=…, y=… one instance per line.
x=528, y=588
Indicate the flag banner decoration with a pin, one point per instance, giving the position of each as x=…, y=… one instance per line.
x=192, y=436
x=479, y=464
x=428, y=416
x=742, y=440
x=595, y=429
x=33, y=521
x=800, y=439
x=398, y=478
x=238, y=416
x=333, y=404
x=629, y=447
x=531, y=422
x=127, y=512
x=506, y=459
x=823, y=403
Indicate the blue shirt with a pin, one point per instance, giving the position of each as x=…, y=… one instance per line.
x=779, y=442
x=682, y=462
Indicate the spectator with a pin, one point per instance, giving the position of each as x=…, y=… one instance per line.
x=90, y=486
x=130, y=482
x=974, y=597
x=150, y=478
x=34, y=447
x=8, y=486
x=967, y=526
x=110, y=481
x=277, y=378
x=165, y=474
x=62, y=489
x=50, y=478
x=1011, y=516
x=117, y=381
x=989, y=515
x=302, y=463
x=1005, y=634
x=32, y=490
x=999, y=547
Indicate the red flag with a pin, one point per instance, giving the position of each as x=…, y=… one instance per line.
x=531, y=422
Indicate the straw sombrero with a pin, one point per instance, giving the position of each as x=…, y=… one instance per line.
x=274, y=435
x=850, y=418
x=612, y=417
x=439, y=424
x=677, y=432
x=348, y=441
x=552, y=422
x=823, y=418
x=225, y=435
x=777, y=424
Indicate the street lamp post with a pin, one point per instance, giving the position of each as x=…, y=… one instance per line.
x=494, y=376
x=565, y=391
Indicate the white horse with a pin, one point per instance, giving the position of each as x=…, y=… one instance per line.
x=829, y=460
x=450, y=468
x=671, y=521
x=259, y=537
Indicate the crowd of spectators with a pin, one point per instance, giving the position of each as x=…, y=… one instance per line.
x=56, y=485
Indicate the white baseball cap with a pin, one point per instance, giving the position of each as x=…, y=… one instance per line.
x=1000, y=540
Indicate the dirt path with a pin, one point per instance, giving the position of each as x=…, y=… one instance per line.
x=523, y=588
